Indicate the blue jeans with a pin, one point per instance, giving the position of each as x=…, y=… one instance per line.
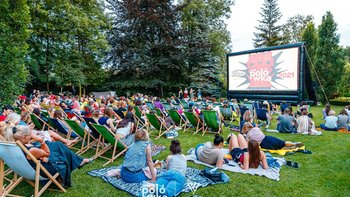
x=132, y=177
x=170, y=183
x=323, y=126
x=195, y=150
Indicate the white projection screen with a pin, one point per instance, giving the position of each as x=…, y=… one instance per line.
x=274, y=70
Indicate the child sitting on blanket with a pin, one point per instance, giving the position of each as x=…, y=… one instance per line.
x=171, y=182
x=211, y=153
x=247, y=155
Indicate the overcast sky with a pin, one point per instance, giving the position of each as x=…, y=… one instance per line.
x=245, y=14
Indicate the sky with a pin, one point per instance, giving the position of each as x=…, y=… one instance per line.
x=245, y=13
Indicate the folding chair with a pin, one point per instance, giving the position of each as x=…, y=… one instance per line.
x=150, y=105
x=167, y=106
x=195, y=121
x=14, y=155
x=88, y=140
x=242, y=110
x=137, y=115
x=158, y=124
x=107, y=136
x=261, y=114
x=39, y=123
x=227, y=112
x=177, y=118
x=89, y=122
x=159, y=112
x=210, y=120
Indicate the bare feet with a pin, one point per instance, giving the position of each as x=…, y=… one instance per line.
x=70, y=142
x=86, y=161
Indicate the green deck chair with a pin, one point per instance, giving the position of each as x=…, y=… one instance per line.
x=210, y=120
x=137, y=115
x=107, y=136
x=87, y=139
x=158, y=124
x=195, y=121
x=159, y=112
x=177, y=118
x=40, y=123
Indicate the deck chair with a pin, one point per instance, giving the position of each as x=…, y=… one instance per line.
x=87, y=139
x=138, y=116
x=14, y=155
x=113, y=142
x=261, y=114
x=195, y=121
x=159, y=112
x=39, y=123
x=184, y=104
x=158, y=124
x=177, y=118
x=167, y=106
x=249, y=106
x=210, y=120
x=58, y=126
x=90, y=121
x=242, y=110
x=227, y=112
x=150, y=105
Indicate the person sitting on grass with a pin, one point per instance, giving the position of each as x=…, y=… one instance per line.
x=286, y=123
x=247, y=155
x=326, y=110
x=266, y=142
x=211, y=153
x=343, y=120
x=54, y=156
x=137, y=158
x=174, y=179
x=331, y=122
x=306, y=125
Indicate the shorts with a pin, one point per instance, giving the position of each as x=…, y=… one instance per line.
x=236, y=153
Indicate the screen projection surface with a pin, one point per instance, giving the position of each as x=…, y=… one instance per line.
x=275, y=70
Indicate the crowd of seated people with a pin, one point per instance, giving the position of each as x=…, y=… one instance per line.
x=117, y=114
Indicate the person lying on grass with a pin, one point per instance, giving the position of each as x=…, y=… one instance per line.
x=211, y=153
x=173, y=180
x=137, y=158
x=247, y=155
x=55, y=156
x=266, y=142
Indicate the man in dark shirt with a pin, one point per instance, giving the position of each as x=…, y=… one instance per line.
x=286, y=123
x=120, y=111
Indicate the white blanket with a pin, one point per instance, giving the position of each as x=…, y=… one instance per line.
x=271, y=173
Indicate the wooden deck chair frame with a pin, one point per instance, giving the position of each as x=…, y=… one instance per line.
x=137, y=115
x=177, y=118
x=210, y=121
x=87, y=142
x=107, y=136
x=34, y=182
x=195, y=121
x=161, y=124
x=37, y=122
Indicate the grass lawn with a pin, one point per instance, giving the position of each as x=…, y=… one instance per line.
x=326, y=172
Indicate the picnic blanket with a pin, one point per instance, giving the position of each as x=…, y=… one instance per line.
x=194, y=180
x=156, y=149
x=275, y=165
x=283, y=151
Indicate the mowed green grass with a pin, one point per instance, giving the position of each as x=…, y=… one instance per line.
x=326, y=172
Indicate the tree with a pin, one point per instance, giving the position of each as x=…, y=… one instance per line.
x=294, y=27
x=14, y=32
x=206, y=43
x=268, y=31
x=146, y=49
x=66, y=36
x=309, y=37
x=329, y=56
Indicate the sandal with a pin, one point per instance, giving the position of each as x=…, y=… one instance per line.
x=292, y=164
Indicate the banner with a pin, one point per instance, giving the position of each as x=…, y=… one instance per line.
x=275, y=70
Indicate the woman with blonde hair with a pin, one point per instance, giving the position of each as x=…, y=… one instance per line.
x=136, y=160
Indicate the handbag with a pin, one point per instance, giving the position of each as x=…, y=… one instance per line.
x=213, y=174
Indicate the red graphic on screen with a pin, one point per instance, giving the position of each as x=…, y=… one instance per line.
x=262, y=70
